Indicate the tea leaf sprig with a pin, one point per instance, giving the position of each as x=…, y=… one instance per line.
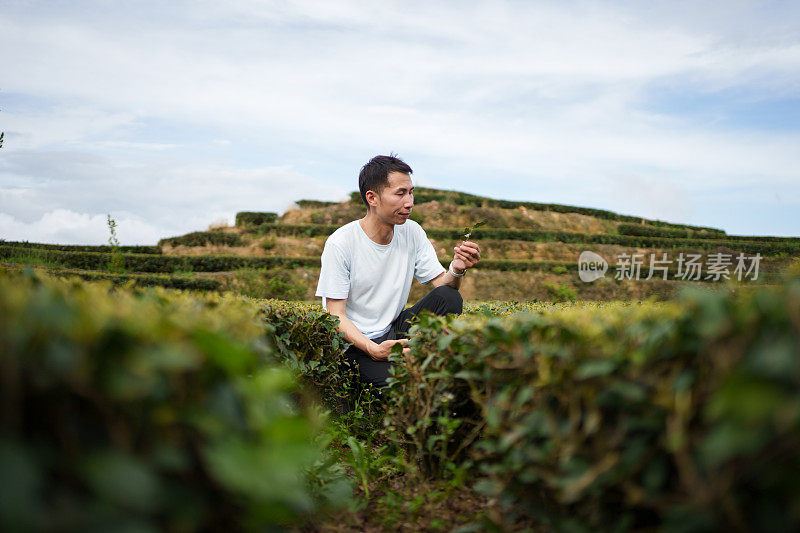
x=468, y=231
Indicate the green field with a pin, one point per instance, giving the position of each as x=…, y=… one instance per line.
x=196, y=385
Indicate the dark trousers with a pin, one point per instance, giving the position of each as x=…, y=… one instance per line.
x=440, y=301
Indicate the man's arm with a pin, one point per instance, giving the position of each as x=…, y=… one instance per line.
x=466, y=256
x=378, y=352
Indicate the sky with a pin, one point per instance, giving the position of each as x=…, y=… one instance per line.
x=171, y=116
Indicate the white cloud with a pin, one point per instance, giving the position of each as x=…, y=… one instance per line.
x=149, y=202
x=551, y=91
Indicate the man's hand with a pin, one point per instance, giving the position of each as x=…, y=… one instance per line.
x=466, y=255
x=380, y=352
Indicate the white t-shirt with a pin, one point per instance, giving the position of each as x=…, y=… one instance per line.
x=375, y=278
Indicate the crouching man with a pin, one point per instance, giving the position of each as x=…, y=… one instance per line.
x=368, y=266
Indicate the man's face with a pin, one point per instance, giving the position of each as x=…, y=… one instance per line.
x=396, y=199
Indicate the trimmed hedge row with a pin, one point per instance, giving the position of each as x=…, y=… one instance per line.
x=202, y=238
x=148, y=412
x=82, y=248
x=764, y=248
x=571, y=267
x=645, y=231
x=166, y=263
x=254, y=218
x=225, y=263
x=681, y=416
x=423, y=194
x=306, y=230
x=189, y=284
x=314, y=203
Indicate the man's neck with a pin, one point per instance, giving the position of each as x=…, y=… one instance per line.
x=376, y=229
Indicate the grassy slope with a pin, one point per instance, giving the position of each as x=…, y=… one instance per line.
x=448, y=209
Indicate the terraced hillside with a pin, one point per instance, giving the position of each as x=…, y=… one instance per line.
x=530, y=251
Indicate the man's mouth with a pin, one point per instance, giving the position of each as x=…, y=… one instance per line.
x=406, y=214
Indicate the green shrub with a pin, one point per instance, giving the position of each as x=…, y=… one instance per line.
x=561, y=293
x=648, y=231
x=423, y=194
x=146, y=411
x=267, y=243
x=269, y=283
x=766, y=248
x=82, y=248
x=139, y=280
x=307, y=339
x=309, y=230
x=203, y=238
x=314, y=203
x=680, y=416
x=250, y=218
x=164, y=263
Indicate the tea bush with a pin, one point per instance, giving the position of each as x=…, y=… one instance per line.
x=647, y=231
x=251, y=218
x=139, y=280
x=82, y=248
x=682, y=416
x=268, y=283
x=148, y=411
x=165, y=263
x=306, y=338
x=202, y=238
x=767, y=247
x=314, y=203
x=423, y=194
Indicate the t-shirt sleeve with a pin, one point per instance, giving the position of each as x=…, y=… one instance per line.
x=427, y=265
x=334, y=276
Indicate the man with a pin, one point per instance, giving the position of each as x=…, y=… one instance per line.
x=368, y=266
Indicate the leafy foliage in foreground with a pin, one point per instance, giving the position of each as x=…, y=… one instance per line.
x=307, y=340
x=147, y=410
x=683, y=415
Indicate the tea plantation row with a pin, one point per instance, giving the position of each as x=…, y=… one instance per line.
x=150, y=411
x=150, y=263
x=682, y=416
x=158, y=410
x=422, y=195
x=776, y=247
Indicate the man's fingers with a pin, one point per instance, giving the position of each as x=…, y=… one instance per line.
x=470, y=250
x=470, y=246
x=468, y=260
x=402, y=341
x=406, y=350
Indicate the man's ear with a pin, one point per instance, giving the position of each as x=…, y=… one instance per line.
x=372, y=198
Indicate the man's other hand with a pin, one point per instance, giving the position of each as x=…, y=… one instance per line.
x=380, y=352
x=466, y=255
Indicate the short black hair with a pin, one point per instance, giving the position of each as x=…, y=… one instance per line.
x=374, y=175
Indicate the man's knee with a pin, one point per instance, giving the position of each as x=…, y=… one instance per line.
x=453, y=303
